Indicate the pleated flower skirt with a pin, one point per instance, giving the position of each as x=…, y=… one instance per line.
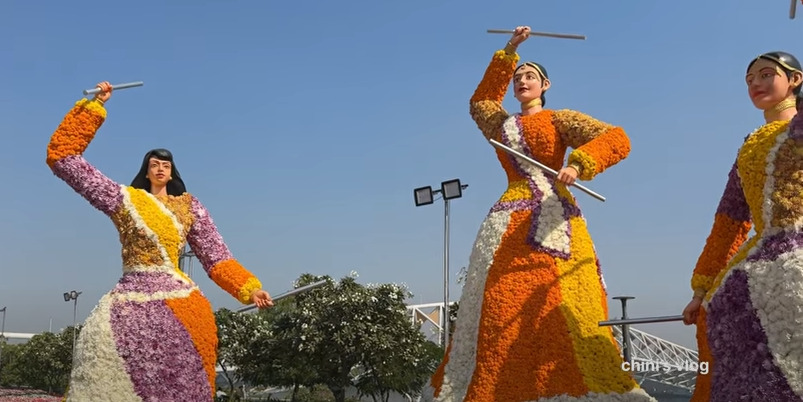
x=527, y=328
x=754, y=323
x=152, y=338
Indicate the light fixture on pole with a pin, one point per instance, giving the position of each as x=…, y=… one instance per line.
x=73, y=295
x=449, y=190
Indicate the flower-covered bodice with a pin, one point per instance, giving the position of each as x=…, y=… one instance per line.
x=153, y=229
x=765, y=191
x=771, y=171
x=544, y=136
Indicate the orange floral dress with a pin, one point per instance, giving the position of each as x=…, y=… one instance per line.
x=528, y=327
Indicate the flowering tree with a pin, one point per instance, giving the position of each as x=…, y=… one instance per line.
x=236, y=331
x=343, y=334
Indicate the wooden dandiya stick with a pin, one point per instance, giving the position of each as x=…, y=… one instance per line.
x=542, y=166
x=792, y=9
x=532, y=33
x=293, y=292
x=115, y=87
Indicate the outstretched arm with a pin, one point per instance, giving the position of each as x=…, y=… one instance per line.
x=217, y=260
x=64, y=156
x=486, y=103
x=596, y=145
x=732, y=224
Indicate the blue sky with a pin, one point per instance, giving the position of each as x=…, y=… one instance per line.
x=304, y=126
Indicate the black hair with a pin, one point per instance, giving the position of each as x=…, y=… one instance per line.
x=788, y=63
x=175, y=186
x=541, y=71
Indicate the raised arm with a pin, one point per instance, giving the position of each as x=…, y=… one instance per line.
x=64, y=156
x=596, y=145
x=486, y=103
x=217, y=260
x=731, y=227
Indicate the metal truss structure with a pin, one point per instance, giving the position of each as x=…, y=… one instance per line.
x=659, y=360
x=656, y=363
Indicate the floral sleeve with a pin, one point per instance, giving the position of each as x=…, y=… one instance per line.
x=64, y=157
x=596, y=145
x=486, y=103
x=215, y=257
x=732, y=224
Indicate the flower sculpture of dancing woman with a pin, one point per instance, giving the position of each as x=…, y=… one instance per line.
x=153, y=336
x=748, y=294
x=528, y=327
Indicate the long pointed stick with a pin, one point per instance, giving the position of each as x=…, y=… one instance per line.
x=792, y=9
x=542, y=166
x=532, y=33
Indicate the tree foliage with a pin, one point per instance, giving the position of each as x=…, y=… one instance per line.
x=235, y=333
x=44, y=362
x=342, y=334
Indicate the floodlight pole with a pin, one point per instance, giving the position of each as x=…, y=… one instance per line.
x=73, y=295
x=443, y=341
x=445, y=273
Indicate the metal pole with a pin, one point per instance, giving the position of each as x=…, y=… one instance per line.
x=445, y=273
x=645, y=320
x=303, y=289
x=626, y=329
x=3, y=336
x=74, y=329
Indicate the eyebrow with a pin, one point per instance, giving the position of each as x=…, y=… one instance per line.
x=762, y=69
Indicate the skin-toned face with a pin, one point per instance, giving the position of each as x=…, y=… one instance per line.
x=767, y=84
x=159, y=171
x=527, y=84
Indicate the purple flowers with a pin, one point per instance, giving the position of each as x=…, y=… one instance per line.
x=744, y=366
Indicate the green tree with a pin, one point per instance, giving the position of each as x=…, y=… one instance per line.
x=235, y=333
x=342, y=334
x=397, y=358
x=279, y=359
x=45, y=361
x=9, y=373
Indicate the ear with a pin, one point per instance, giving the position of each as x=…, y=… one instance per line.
x=546, y=84
x=797, y=79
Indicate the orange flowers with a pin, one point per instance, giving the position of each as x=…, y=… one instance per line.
x=76, y=130
x=597, y=145
x=232, y=277
x=486, y=103
x=497, y=77
x=533, y=277
x=195, y=314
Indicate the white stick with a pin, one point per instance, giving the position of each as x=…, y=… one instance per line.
x=115, y=87
x=296, y=291
x=532, y=33
x=542, y=166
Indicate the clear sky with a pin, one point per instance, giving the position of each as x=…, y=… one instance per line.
x=304, y=127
